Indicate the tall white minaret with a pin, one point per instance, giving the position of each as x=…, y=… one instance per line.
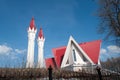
x=31, y=42
x=40, y=41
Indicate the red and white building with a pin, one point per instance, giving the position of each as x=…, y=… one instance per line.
x=74, y=56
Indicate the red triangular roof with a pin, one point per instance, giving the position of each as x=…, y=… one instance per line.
x=58, y=55
x=40, y=35
x=92, y=49
x=50, y=62
x=32, y=24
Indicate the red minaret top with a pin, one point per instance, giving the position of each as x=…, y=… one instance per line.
x=40, y=35
x=32, y=24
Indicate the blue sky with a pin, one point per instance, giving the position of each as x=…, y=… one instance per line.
x=58, y=18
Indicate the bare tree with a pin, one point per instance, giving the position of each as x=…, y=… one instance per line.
x=109, y=14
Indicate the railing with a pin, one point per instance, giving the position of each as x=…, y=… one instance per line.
x=52, y=74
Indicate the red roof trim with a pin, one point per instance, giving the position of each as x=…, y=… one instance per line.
x=32, y=24
x=40, y=35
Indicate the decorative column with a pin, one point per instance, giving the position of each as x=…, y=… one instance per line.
x=40, y=41
x=31, y=42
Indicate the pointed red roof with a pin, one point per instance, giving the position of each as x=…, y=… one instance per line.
x=40, y=35
x=32, y=24
x=58, y=55
x=92, y=49
x=50, y=62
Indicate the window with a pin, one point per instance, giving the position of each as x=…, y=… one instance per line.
x=74, y=55
x=67, y=62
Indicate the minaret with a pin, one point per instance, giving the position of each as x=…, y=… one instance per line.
x=31, y=42
x=40, y=41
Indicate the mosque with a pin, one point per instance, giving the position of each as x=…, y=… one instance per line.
x=75, y=56
x=31, y=43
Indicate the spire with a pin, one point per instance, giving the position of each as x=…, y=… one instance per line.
x=32, y=24
x=40, y=35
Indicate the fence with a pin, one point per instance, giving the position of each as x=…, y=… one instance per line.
x=51, y=74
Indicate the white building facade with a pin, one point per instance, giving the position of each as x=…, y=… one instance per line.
x=76, y=59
